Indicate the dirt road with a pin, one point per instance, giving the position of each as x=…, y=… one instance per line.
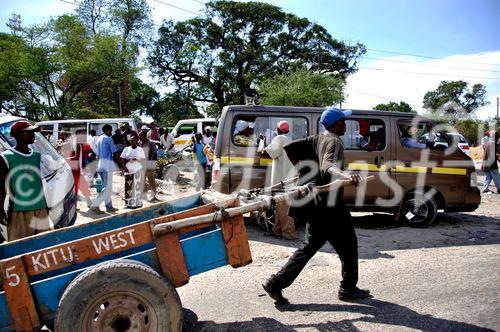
x=445, y=277
x=442, y=278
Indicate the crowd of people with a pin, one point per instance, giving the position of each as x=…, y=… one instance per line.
x=94, y=159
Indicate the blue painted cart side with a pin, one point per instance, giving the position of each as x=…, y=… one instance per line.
x=102, y=225
x=179, y=255
x=202, y=252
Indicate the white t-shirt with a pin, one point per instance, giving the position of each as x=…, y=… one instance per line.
x=92, y=141
x=130, y=154
x=282, y=169
x=208, y=140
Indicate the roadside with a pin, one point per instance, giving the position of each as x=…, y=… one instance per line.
x=437, y=289
x=444, y=277
x=441, y=278
x=183, y=187
x=480, y=226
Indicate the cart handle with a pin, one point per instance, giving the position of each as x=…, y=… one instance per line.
x=261, y=203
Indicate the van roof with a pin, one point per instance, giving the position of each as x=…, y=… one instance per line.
x=291, y=109
x=9, y=118
x=196, y=120
x=86, y=120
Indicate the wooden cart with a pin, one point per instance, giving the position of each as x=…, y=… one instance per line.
x=115, y=273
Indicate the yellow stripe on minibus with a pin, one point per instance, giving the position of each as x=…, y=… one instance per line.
x=181, y=141
x=355, y=166
x=265, y=162
x=405, y=169
x=245, y=161
x=362, y=167
x=448, y=170
x=237, y=160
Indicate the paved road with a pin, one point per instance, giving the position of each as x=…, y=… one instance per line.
x=433, y=289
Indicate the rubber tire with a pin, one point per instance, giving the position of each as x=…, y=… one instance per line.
x=170, y=172
x=430, y=205
x=119, y=276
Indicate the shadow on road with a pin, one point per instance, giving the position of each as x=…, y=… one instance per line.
x=382, y=312
x=379, y=232
x=373, y=311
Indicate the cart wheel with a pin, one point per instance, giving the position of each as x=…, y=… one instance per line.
x=170, y=172
x=121, y=295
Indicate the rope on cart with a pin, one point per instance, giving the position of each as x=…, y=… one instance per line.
x=220, y=210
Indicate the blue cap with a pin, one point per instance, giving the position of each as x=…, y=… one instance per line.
x=332, y=115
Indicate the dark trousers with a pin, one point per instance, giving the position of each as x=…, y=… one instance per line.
x=335, y=227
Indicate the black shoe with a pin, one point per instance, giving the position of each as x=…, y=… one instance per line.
x=275, y=293
x=356, y=294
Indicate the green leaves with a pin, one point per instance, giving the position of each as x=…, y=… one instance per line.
x=241, y=44
x=75, y=65
x=395, y=107
x=302, y=88
x=452, y=98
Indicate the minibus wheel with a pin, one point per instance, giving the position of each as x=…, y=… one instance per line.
x=417, y=210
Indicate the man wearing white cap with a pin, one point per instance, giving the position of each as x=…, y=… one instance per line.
x=208, y=138
x=243, y=133
x=327, y=218
x=281, y=170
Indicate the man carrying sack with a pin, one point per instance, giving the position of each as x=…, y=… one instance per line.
x=326, y=216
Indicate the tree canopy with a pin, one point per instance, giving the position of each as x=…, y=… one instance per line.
x=54, y=64
x=225, y=55
x=453, y=98
x=302, y=88
x=395, y=107
x=75, y=65
x=87, y=64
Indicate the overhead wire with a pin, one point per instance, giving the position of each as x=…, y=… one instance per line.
x=75, y=3
x=432, y=57
x=187, y=10
x=429, y=64
x=180, y=8
x=431, y=74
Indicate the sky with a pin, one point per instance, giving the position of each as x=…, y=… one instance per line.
x=411, y=45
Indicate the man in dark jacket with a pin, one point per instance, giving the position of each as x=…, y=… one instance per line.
x=320, y=160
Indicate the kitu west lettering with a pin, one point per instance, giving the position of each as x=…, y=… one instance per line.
x=48, y=259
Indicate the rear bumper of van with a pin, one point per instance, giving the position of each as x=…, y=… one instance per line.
x=472, y=201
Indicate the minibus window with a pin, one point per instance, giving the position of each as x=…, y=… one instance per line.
x=48, y=132
x=362, y=134
x=419, y=135
x=71, y=128
x=98, y=127
x=186, y=130
x=247, y=129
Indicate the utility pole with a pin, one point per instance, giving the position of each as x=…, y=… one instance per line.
x=498, y=102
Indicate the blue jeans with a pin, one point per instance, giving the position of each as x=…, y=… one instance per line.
x=107, y=191
x=491, y=175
